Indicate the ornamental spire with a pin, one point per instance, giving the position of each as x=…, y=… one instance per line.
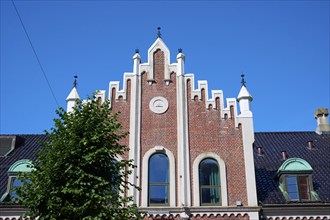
x=75, y=83
x=243, y=80
x=159, y=35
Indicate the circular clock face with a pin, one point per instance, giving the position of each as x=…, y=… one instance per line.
x=158, y=105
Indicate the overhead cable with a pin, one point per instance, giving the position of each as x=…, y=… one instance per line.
x=35, y=53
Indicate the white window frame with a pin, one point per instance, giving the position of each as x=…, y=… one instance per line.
x=223, y=178
x=145, y=174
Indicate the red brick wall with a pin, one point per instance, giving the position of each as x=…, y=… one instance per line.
x=209, y=133
x=123, y=107
x=158, y=129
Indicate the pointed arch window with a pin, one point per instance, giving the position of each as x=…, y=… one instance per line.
x=209, y=182
x=158, y=180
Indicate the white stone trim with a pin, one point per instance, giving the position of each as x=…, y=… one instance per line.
x=248, y=139
x=116, y=85
x=100, y=94
x=183, y=175
x=245, y=118
x=161, y=101
x=145, y=174
x=159, y=44
x=135, y=130
x=202, y=84
x=223, y=177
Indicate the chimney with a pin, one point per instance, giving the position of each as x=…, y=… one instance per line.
x=284, y=154
x=260, y=151
x=321, y=116
x=310, y=145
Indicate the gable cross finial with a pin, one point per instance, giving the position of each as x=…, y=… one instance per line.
x=75, y=83
x=243, y=81
x=158, y=33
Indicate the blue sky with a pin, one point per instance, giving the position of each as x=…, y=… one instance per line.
x=282, y=47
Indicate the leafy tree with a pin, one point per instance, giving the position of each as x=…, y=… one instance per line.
x=76, y=174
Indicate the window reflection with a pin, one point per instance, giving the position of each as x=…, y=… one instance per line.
x=209, y=182
x=158, y=180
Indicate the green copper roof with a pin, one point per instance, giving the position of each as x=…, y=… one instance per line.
x=295, y=164
x=21, y=166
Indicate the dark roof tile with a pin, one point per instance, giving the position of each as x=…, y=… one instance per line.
x=295, y=143
x=25, y=149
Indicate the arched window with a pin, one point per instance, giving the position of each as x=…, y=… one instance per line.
x=158, y=179
x=209, y=182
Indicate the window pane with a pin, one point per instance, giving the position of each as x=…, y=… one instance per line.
x=16, y=183
x=292, y=188
x=291, y=180
x=209, y=173
x=303, y=180
x=158, y=169
x=158, y=195
x=304, y=195
x=209, y=180
x=304, y=188
x=210, y=195
x=294, y=196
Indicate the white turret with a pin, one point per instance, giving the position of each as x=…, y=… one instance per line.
x=72, y=97
x=246, y=120
x=244, y=98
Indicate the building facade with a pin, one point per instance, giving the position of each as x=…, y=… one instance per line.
x=198, y=157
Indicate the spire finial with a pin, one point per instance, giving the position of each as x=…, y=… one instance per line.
x=243, y=81
x=180, y=50
x=75, y=83
x=137, y=50
x=158, y=33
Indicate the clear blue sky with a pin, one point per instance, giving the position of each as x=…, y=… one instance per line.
x=282, y=47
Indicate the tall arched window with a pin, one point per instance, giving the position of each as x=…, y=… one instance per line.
x=158, y=179
x=209, y=182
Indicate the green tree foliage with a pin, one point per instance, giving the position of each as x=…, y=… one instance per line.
x=76, y=174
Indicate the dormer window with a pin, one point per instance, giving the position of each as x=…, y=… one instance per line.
x=14, y=170
x=295, y=180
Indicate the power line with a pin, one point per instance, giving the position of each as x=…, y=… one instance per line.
x=35, y=53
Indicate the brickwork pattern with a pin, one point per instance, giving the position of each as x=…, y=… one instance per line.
x=158, y=129
x=209, y=133
x=123, y=107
